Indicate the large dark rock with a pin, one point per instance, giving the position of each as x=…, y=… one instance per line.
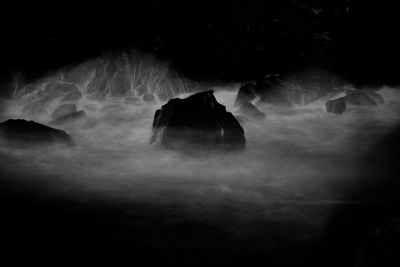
x=30, y=133
x=337, y=105
x=246, y=94
x=358, y=98
x=198, y=120
x=249, y=110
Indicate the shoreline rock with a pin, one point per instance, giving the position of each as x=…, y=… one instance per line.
x=25, y=132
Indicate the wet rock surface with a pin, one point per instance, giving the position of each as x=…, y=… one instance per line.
x=30, y=133
x=198, y=120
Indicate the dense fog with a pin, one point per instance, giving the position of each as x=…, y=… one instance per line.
x=295, y=157
x=299, y=165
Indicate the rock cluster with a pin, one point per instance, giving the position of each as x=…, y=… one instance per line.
x=355, y=98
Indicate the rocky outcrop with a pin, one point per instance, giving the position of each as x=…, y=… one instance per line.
x=22, y=132
x=300, y=88
x=197, y=121
x=358, y=98
x=337, y=105
x=245, y=94
x=355, y=98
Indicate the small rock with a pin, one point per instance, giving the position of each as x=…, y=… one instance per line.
x=63, y=110
x=149, y=97
x=337, y=105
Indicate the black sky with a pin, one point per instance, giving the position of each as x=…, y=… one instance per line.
x=216, y=40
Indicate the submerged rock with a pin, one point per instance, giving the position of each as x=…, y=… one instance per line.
x=70, y=118
x=300, y=88
x=375, y=96
x=148, y=97
x=358, y=98
x=30, y=132
x=73, y=96
x=337, y=105
x=63, y=110
x=198, y=120
x=251, y=111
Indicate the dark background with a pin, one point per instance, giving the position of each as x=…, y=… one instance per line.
x=226, y=40
x=222, y=40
